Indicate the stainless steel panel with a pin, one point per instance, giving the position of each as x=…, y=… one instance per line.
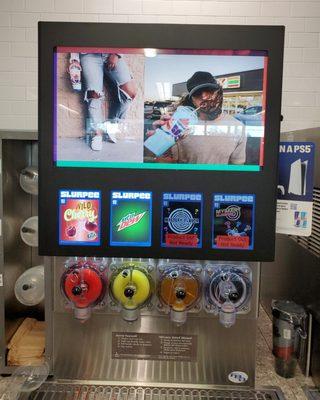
x=294, y=275
x=83, y=351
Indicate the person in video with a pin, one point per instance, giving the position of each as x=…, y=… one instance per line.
x=96, y=68
x=216, y=138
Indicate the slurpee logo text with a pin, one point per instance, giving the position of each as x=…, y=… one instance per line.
x=72, y=194
x=131, y=195
x=182, y=196
x=129, y=220
x=245, y=198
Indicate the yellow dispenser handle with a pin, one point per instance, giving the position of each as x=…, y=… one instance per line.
x=135, y=279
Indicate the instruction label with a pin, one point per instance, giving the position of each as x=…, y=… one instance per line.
x=153, y=346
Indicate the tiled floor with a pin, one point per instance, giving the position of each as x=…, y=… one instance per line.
x=265, y=374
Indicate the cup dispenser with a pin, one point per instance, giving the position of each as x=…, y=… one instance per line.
x=179, y=290
x=29, y=287
x=29, y=180
x=84, y=285
x=131, y=287
x=227, y=291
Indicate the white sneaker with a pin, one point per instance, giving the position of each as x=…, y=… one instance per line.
x=96, y=143
x=112, y=137
x=112, y=128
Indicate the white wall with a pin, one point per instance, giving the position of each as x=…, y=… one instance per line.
x=18, y=44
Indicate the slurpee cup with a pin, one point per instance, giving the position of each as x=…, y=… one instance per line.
x=166, y=136
x=75, y=76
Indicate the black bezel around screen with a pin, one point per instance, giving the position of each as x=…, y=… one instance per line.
x=262, y=183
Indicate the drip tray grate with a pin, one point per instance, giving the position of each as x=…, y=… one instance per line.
x=58, y=391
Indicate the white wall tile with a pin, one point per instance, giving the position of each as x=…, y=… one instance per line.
x=302, y=69
x=163, y=7
x=275, y=9
x=260, y=20
x=12, y=5
x=5, y=78
x=98, y=6
x=31, y=123
x=5, y=107
x=12, y=34
x=12, y=64
x=24, y=49
x=127, y=6
x=292, y=84
x=304, y=40
x=70, y=6
x=311, y=113
x=312, y=24
x=293, y=125
x=311, y=55
x=215, y=8
x=185, y=8
x=230, y=20
x=305, y=9
x=13, y=122
x=25, y=78
x=291, y=24
x=143, y=19
x=32, y=93
x=25, y=19
x=5, y=49
x=5, y=19
x=84, y=17
x=32, y=35
x=25, y=107
x=113, y=18
x=12, y=93
x=246, y=9
x=299, y=99
x=54, y=17
x=40, y=5
x=172, y=19
x=292, y=55
x=31, y=64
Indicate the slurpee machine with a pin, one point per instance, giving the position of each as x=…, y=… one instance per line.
x=156, y=198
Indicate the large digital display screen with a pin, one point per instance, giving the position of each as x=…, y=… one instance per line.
x=159, y=109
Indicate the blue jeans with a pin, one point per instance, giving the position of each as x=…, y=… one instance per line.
x=94, y=72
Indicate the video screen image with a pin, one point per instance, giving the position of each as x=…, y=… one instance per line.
x=159, y=109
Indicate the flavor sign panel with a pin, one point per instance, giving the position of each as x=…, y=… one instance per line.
x=181, y=220
x=79, y=217
x=130, y=218
x=233, y=221
x=295, y=188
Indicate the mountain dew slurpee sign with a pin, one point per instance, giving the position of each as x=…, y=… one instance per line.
x=130, y=218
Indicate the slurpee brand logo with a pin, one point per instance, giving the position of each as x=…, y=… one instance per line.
x=129, y=220
x=83, y=210
x=72, y=194
x=131, y=195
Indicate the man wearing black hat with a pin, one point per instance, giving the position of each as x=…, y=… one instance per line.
x=217, y=138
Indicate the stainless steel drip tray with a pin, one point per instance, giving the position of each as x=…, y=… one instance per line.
x=80, y=391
